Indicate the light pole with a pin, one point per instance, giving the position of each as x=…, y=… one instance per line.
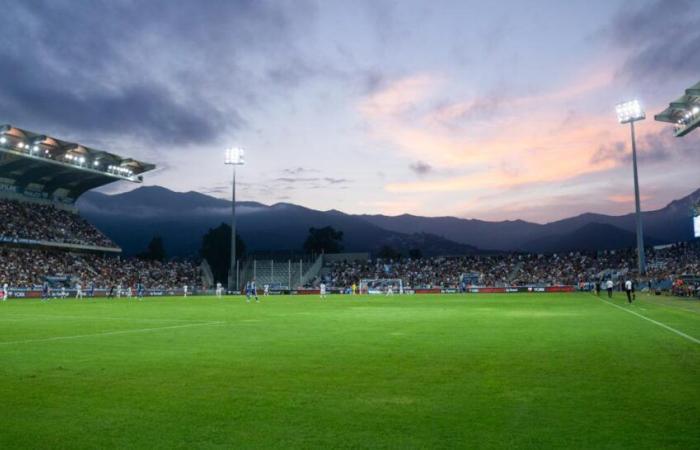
x=630, y=112
x=234, y=157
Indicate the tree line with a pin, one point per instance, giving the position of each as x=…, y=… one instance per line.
x=216, y=248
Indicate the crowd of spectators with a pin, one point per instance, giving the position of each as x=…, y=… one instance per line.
x=45, y=222
x=30, y=268
x=664, y=265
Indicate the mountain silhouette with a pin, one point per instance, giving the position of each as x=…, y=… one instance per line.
x=132, y=218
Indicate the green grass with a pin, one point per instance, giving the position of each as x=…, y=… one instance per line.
x=476, y=371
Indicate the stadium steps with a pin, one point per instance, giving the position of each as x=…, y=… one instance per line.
x=515, y=272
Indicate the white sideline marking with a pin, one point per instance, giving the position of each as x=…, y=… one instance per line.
x=109, y=333
x=662, y=325
x=131, y=319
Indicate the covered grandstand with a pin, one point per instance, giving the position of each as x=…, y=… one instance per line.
x=41, y=177
x=684, y=112
x=44, y=240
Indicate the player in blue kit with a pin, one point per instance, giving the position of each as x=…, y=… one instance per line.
x=251, y=291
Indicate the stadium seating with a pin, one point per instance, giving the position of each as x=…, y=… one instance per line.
x=29, y=268
x=38, y=222
x=520, y=269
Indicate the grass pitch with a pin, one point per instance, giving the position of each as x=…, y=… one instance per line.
x=476, y=371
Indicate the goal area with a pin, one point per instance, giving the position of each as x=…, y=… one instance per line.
x=381, y=286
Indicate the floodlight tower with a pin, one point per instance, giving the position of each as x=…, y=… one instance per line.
x=630, y=112
x=235, y=156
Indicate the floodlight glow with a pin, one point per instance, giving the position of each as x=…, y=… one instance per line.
x=696, y=110
x=35, y=148
x=3, y=140
x=20, y=145
x=629, y=111
x=96, y=163
x=235, y=156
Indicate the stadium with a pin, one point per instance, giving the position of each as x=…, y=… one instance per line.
x=136, y=316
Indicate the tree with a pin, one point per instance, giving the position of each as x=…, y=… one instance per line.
x=216, y=249
x=155, y=250
x=388, y=252
x=323, y=240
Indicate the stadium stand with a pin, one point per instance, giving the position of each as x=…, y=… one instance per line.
x=43, y=239
x=666, y=266
x=34, y=222
x=29, y=268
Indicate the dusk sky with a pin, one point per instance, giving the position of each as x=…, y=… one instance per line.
x=490, y=110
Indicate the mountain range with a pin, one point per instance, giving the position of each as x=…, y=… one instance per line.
x=131, y=219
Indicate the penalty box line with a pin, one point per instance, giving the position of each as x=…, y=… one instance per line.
x=110, y=333
x=655, y=322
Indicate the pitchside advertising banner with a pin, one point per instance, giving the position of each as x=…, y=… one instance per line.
x=70, y=293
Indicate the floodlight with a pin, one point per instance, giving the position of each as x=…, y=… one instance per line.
x=35, y=148
x=96, y=163
x=696, y=110
x=3, y=140
x=235, y=156
x=20, y=145
x=630, y=111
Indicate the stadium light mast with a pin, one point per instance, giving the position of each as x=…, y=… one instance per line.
x=235, y=156
x=630, y=112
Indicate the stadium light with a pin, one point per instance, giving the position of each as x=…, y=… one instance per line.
x=3, y=140
x=630, y=112
x=235, y=156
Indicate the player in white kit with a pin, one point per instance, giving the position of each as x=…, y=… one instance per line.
x=119, y=290
x=78, y=291
x=184, y=290
x=219, y=290
x=322, y=287
x=390, y=290
x=5, y=292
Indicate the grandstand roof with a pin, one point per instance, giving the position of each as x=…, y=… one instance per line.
x=42, y=166
x=684, y=113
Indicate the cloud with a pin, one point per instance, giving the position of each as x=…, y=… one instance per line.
x=296, y=179
x=616, y=151
x=421, y=168
x=652, y=148
x=661, y=39
x=109, y=68
x=331, y=180
x=299, y=170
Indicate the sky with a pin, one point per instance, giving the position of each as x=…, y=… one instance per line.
x=475, y=109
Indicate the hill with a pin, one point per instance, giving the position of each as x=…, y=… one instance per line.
x=182, y=218
x=669, y=224
x=132, y=218
x=590, y=237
